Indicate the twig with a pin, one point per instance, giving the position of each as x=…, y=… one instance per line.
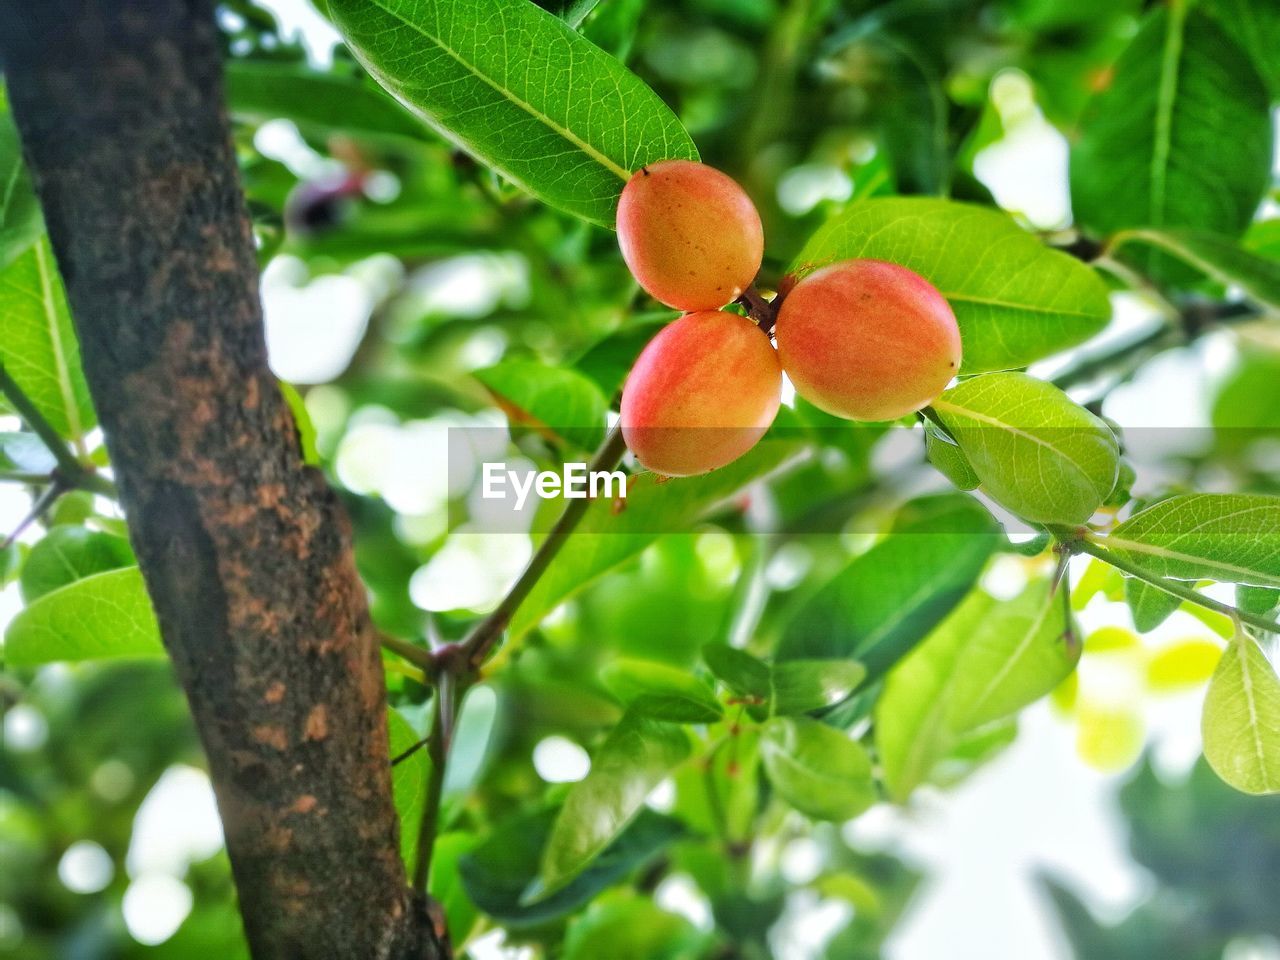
x=70, y=470
x=43, y=503
x=448, y=701
x=418, y=656
x=1125, y=357
x=478, y=644
x=1097, y=548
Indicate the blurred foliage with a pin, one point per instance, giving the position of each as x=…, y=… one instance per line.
x=1213, y=855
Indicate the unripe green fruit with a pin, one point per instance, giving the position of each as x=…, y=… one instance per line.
x=701, y=394
x=690, y=235
x=867, y=340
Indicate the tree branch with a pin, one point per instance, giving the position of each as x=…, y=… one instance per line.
x=1098, y=548
x=476, y=647
x=244, y=548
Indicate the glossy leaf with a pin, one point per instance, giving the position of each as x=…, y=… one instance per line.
x=802, y=686
x=661, y=692
x=498, y=873
x=606, y=537
x=891, y=596
x=555, y=402
x=569, y=125
x=408, y=783
x=1151, y=147
x=1015, y=299
x=1241, y=721
x=38, y=344
x=1219, y=258
x=986, y=661
x=945, y=454
x=1227, y=537
x=105, y=615
x=635, y=757
x=70, y=553
x=738, y=670
x=817, y=769
x=1039, y=454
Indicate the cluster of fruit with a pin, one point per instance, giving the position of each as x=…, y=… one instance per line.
x=861, y=339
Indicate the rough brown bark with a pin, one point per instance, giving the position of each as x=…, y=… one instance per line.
x=244, y=549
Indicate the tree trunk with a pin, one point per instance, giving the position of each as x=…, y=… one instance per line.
x=244, y=548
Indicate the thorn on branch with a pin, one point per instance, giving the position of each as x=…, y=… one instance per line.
x=43, y=502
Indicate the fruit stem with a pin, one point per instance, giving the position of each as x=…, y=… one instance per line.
x=763, y=312
x=1097, y=548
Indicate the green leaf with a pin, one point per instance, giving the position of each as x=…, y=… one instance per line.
x=302, y=424
x=20, y=221
x=1255, y=26
x=802, y=686
x=37, y=343
x=445, y=886
x=572, y=12
x=408, y=783
x=1181, y=137
x=1037, y=452
x=1247, y=405
x=318, y=103
x=556, y=402
x=631, y=927
x=891, y=596
x=613, y=26
x=817, y=769
x=1014, y=299
x=985, y=662
x=1150, y=606
x=912, y=108
x=67, y=554
x=104, y=615
x=738, y=670
x=786, y=688
x=1220, y=258
x=605, y=537
x=661, y=692
x=25, y=453
x=1182, y=665
x=521, y=91
x=498, y=873
x=1259, y=600
x=945, y=454
x=1229, y=537
x=1241, y=721
x=635, y=757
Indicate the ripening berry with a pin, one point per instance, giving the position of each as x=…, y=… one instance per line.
x=701, y=394
x=690, y=235
x=867, y=340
